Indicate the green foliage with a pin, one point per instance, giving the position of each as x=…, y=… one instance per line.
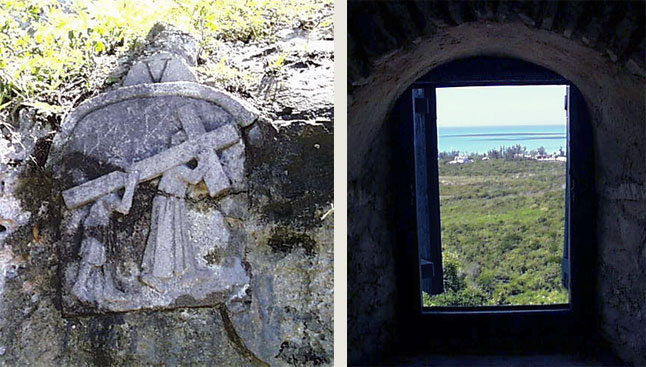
x=456, y=290
x=507, y=152
x=464, y=297
x=502, y=233
x=454, y=278
x=227, y=76
x=52, y=53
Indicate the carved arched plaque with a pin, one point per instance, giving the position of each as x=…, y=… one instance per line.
x=143, y=171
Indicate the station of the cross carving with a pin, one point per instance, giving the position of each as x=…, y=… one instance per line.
x=167, y=137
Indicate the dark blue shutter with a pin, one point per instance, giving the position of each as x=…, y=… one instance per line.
x=427, y=191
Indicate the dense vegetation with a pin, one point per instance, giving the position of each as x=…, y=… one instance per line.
x=54, y=53
x=502, y=232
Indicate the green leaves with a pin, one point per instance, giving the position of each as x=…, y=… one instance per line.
x=52, y=52
x=46, y=108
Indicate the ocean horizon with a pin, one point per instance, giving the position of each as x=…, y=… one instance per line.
x=481, y=139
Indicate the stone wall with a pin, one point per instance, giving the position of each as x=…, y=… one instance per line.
x=283, y=218
x=371, y=264
x=600, y=47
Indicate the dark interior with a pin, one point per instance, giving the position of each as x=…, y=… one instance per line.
x=597, y=49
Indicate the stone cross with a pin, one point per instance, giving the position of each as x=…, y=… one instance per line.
x=156, y=165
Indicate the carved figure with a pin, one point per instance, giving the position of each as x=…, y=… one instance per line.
x=94, y=282
x=169, y=255
x=133, y=128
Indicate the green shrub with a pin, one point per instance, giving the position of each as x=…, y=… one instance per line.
x=511, y=227
x=465, y=297
x=52, y=53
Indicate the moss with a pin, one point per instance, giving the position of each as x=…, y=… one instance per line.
x=34, y=187
x=285, y=240
x=296, y=354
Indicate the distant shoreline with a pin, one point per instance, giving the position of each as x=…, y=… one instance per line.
x=494, y=125
x=482, y=139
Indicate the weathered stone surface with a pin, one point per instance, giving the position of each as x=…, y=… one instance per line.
x=371, y=266
x=135, y=98
x=158, y=68
x=549, y=13
x=300, y=175
x=164, y=37
x=128, y=142
x=285, y=315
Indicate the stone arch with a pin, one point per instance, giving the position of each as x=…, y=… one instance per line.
x=243, y=114
x=602, y=82
x=599, y=49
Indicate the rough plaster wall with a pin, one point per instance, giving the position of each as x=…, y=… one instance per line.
x=369, y=264
x=600, y=49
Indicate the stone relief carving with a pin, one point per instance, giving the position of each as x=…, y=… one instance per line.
x=142, y=148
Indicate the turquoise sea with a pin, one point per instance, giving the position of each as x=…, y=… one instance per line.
x=481, y=139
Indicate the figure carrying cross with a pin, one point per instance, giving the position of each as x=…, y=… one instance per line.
x=169, y=259
x=169, y=254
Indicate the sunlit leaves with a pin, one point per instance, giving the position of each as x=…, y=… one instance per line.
x=45, y=108
x=46, y=44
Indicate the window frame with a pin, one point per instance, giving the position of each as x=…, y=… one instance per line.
x=555, y=321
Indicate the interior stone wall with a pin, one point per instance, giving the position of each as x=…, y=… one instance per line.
x=370, y=263
x=600, y=47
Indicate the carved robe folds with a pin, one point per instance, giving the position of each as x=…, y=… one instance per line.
x=168, y=253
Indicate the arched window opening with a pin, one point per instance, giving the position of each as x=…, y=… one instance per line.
x=493, y=229
x=501, y=159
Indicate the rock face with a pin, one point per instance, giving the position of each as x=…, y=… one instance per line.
x=173, y=224
x=599, y=47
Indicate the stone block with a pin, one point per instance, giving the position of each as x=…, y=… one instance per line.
x=127, y=163
x=158, y=68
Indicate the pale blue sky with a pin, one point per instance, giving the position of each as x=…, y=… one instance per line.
x=501, y=105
